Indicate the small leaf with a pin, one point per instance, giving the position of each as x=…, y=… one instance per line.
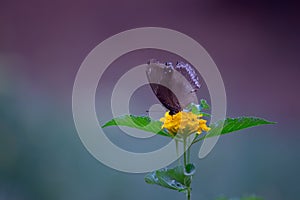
x=174, y=178
x=139, y=122
x=233, y=124
x=190, y=169
x=196, y=109
x=204, y=105
x=205, y=114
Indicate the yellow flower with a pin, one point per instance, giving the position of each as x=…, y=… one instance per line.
x=184, y=123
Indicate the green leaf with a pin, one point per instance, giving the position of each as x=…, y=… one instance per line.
x=139, y=122
x=204, y=105
x=205, y=114
x=194, y=108
x=174, y=178
x=190, y=169
x=233, y=124
x=197, y=109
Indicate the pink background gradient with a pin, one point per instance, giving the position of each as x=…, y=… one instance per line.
x=255, y=44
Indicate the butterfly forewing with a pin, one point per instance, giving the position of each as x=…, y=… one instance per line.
x=189, y=73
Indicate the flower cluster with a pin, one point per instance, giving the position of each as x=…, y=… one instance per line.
x=184, y=123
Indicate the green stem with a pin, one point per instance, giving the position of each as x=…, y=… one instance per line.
x=177, y=151
x=195, y=140
x=186, y=155
x=188, y=195
x=189, y=152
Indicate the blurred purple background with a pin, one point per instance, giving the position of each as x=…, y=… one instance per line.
x=255, y=44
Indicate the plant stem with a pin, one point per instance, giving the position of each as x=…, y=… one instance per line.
x=177, y=151
x=188, y=152
x=185, y=156
x=188, y=195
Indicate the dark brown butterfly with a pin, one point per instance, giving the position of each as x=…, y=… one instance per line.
x=173, y=86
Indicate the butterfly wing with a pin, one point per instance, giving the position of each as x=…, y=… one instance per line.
x=159, y=77
x=173, y=86
x=189, y=73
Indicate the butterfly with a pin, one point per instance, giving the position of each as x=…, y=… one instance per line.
x=174, y=86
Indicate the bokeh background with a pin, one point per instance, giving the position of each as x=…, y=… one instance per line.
x=42, y=44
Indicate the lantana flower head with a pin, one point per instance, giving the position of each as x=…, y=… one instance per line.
x=184, y=123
